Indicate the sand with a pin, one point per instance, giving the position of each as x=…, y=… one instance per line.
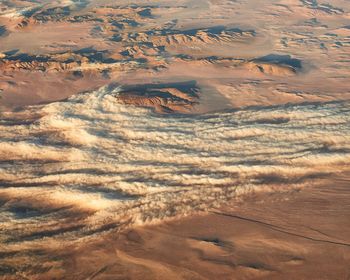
x=195, y=139
x=242, y=50
x=301, y=234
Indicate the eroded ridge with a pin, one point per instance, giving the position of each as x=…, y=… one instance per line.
x=172, y=97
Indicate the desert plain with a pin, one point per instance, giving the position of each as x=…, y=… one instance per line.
x=190, y=139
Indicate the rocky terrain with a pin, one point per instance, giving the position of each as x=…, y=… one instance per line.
x=176, y=97
x=69, y=43
x=190, y=139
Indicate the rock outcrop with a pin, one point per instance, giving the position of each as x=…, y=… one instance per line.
x=163, y=98
x=218, y=34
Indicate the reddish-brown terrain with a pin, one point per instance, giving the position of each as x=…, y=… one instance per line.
x=190, y=139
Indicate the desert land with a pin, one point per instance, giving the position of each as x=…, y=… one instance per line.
x=190, y=139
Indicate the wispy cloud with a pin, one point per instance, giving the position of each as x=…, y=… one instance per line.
x=90, y=161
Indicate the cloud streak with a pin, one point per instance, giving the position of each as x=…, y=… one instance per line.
x=91, y=164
